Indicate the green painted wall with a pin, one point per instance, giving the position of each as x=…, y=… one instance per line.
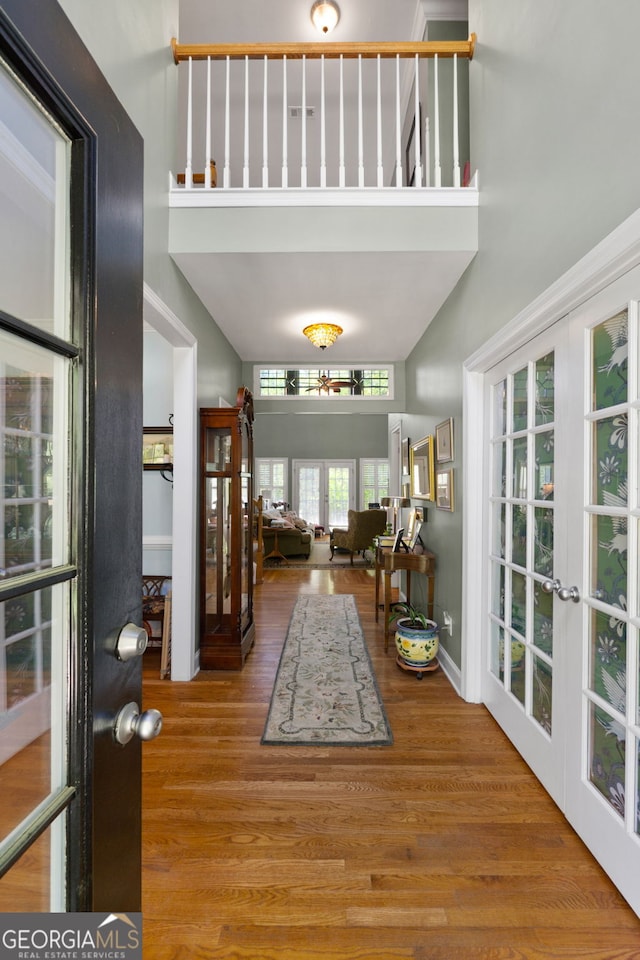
x=130, y=43
x=553, y=101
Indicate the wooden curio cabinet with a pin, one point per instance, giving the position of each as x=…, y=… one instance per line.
x=227, y=629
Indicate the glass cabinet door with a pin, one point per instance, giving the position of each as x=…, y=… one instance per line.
x=226, y=605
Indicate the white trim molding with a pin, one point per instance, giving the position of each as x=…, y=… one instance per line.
x=184, y=647
x=609, y=260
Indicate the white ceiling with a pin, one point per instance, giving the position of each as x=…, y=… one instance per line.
x=261, y=301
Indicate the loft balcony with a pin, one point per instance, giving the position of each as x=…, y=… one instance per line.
x=300, y=153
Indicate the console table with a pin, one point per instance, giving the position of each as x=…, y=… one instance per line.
x=387, y=562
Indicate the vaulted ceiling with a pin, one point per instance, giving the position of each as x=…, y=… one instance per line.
x=383, y=293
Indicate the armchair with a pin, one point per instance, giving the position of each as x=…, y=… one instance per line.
x=364, y=525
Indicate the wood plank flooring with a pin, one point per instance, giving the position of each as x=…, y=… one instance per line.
x=441, y=847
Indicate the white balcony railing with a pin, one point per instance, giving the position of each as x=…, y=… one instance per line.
x=318, y=116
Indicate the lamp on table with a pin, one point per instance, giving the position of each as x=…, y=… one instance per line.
x=395, y=503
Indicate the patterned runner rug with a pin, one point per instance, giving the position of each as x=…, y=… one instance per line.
x=325, y=690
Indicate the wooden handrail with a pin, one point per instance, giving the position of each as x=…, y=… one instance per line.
x=314, y=51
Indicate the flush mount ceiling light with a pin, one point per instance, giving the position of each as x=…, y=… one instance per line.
x=325, y=15
x=322, y=334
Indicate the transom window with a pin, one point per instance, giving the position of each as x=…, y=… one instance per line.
x=341, y=382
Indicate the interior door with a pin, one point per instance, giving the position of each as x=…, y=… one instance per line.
x=324, y=491
x=522, y=687
x=601, y=579
x=563, y=662
x=71, y=426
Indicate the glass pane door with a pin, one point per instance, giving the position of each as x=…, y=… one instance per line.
x=308, y=484
x=324, y=491
x=36, y=575
x=523, y=404
x=603, y=795
x=339, y=493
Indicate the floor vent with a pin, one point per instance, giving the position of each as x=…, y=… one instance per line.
x=295, y=113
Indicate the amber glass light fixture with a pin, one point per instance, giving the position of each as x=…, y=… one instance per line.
x=325, y=15
x=322, y=334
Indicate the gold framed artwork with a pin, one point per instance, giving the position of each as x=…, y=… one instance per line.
x=421, y=469
x=444, y=490
x=444, y=441
x=405, y=457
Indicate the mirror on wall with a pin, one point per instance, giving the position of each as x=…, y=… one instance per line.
x=421, y=469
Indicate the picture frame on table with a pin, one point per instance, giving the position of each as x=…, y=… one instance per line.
x=444, y=490
x=398, y=544
x=415, y=537
x=444, y=441
x=416, y=519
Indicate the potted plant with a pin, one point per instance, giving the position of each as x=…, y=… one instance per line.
x=417, y=637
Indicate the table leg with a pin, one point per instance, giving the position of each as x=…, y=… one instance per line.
x=377, y=591
x=275, y=553
x=387, y=595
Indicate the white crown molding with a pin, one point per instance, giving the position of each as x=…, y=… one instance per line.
x=445, y=9
x=618, y=253
x=159, y=317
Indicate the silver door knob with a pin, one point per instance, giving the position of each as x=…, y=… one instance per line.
x=564, y=593
x=130, y=722
x=569, y=593
x=550, y=586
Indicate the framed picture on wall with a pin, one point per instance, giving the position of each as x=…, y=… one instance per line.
x=157, y=448
x=421, y=468
x=405, y=457
x=444, y=490
x=444, y=441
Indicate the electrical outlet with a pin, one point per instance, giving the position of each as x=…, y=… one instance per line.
x=447, y=622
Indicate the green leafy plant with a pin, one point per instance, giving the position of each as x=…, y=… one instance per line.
x=417, y=620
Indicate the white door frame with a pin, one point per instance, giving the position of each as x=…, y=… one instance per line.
x=614, y=256
x=184, y=649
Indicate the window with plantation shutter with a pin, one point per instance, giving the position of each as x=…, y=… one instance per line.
x=271, y=478
x=374, y=481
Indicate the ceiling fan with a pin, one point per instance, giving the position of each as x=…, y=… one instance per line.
x=327, y=385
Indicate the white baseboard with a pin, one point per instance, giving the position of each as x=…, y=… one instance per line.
x=451, y=670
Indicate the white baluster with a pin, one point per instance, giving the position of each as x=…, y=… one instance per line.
x=227, y=115
x=398, y=127
x=207, y=146
x=303, y=144
x=417, y=126
x=341, y=172
x=188, y=170
x=285, y=169
x=265, y=129
x=245, y=168
x=379, y=128
x=427, y=154
x=323, y=128
x=360, y=127
x=437, y=172
x=456, y=145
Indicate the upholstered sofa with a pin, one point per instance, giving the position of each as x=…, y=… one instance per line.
x=294, y=540
x=290, y=543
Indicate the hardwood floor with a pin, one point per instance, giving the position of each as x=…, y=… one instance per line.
x=441, y=847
